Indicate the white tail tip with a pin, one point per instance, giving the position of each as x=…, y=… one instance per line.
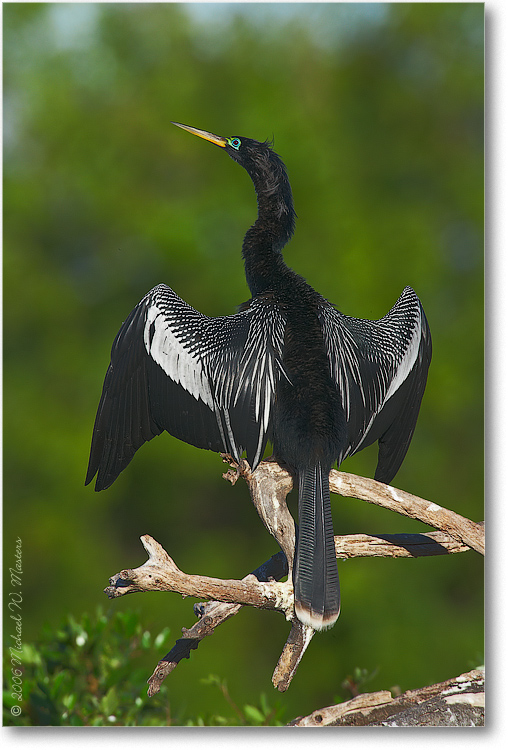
x=315, y=620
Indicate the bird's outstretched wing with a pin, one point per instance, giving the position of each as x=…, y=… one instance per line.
x=380, y=368
x=208, y=381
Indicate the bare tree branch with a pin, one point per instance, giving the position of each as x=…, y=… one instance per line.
x=397, y=545
x=271, y=480
x=211, y=615
x=456, y=702
x=269, y=486
x=159, y=573
x=214, y=613
x=458, y=527
x=299, y=638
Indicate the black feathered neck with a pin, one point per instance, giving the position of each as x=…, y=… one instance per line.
x=275, y=223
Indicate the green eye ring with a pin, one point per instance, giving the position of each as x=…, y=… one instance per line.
x=234, y=143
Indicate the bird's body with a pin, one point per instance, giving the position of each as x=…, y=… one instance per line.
x=288, y=367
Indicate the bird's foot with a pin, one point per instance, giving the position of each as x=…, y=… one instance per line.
x=233, y=474
x=239, y=468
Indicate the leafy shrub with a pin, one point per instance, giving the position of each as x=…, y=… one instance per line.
x=85, y=674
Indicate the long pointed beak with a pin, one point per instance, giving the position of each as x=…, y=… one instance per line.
x=217, y=139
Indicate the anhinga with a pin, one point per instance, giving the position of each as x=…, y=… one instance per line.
x=287, y=367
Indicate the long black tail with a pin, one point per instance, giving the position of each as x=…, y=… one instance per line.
x=316, y=580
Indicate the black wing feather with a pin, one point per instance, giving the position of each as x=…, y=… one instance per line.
x=380, y=368
x=402, y=413
x=207, y=381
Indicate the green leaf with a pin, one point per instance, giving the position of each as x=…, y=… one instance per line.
x=162, y=638
x=109, y=702
x=253, y=714
x=69, y=701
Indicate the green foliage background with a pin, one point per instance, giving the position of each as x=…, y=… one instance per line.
x=377, y=110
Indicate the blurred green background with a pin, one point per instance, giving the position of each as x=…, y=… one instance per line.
x=377, y=111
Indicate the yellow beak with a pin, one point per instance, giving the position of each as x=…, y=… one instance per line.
x=217, y=139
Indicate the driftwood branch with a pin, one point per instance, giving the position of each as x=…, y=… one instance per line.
x=459, y=528
x=159, y=573
x=269, y=486
x=397, y=545
x=211, y=614
x=457, y=702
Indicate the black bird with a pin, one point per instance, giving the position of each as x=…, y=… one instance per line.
x=287, y=367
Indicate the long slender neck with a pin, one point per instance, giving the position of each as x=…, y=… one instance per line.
x=273, y=228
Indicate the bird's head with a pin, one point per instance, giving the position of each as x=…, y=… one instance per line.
x=243, y=150
x=264, y=166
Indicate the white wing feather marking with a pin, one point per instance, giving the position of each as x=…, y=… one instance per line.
x=402, y=370
x=384, y=344
x=408, y=361
x=180, y=364
x=198, y=353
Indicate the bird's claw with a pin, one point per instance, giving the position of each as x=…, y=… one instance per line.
x=239, y=468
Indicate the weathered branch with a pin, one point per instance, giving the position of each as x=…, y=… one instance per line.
x=211, y=615
x=271, y=483
x=299, y=638
x=214, y=613
x=159, y=573
x=457, y=702
x=462, y=529
x=269, y=486
x=397, y=545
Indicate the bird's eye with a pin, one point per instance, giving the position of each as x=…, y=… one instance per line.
x=235, y=143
